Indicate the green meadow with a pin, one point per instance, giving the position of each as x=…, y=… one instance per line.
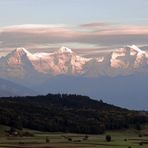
x=130, y=138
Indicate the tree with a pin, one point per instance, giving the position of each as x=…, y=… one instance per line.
x=47, y=140
x=138, y=127
x=108, y=138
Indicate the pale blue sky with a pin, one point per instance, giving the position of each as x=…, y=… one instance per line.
x=14, y=12
x=86, y=23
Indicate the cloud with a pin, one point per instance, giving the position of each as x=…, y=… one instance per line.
x=94, y=25
x=25, y=35
x=97, y=35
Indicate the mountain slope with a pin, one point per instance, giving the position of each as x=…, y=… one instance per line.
x=8, y=88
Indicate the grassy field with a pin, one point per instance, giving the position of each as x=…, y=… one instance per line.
x=120, y=139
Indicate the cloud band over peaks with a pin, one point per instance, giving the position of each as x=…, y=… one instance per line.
x=94, y=34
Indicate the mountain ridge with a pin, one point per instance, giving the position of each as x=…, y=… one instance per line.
x=8, y=88
x=123, y=61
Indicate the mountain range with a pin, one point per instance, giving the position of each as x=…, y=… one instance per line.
x=118, y=77
x=124, y=61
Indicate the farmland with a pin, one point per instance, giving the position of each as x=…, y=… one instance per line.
x=120, y=139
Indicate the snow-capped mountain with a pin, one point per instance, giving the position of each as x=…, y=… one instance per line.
x=16, y=64
x=62, y=61
x=113, y=76
x=129, y=60
x=20, y=63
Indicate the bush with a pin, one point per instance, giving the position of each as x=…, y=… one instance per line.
x=47, y=140
x=85, y=138
x=125, y=139
x=138, y=127
x=69, y=139
x=140, y=143
x=108, y=138
x=27, y=134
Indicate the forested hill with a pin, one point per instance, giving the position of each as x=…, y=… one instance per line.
x=66, y=113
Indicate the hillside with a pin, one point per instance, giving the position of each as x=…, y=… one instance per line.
x=66, y=113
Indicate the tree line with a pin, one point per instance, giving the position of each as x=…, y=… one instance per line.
x=66, y=113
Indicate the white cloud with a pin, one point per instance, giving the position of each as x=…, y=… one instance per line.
x=86, y=35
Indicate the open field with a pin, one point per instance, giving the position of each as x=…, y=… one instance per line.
x=120, y=139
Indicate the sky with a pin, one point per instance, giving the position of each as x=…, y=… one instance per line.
x=78, y=24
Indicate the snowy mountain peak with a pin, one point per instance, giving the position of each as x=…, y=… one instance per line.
x=17, y=57
x=22, y=50
x=131, y=59
x=134, y=47
x=65, y=50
